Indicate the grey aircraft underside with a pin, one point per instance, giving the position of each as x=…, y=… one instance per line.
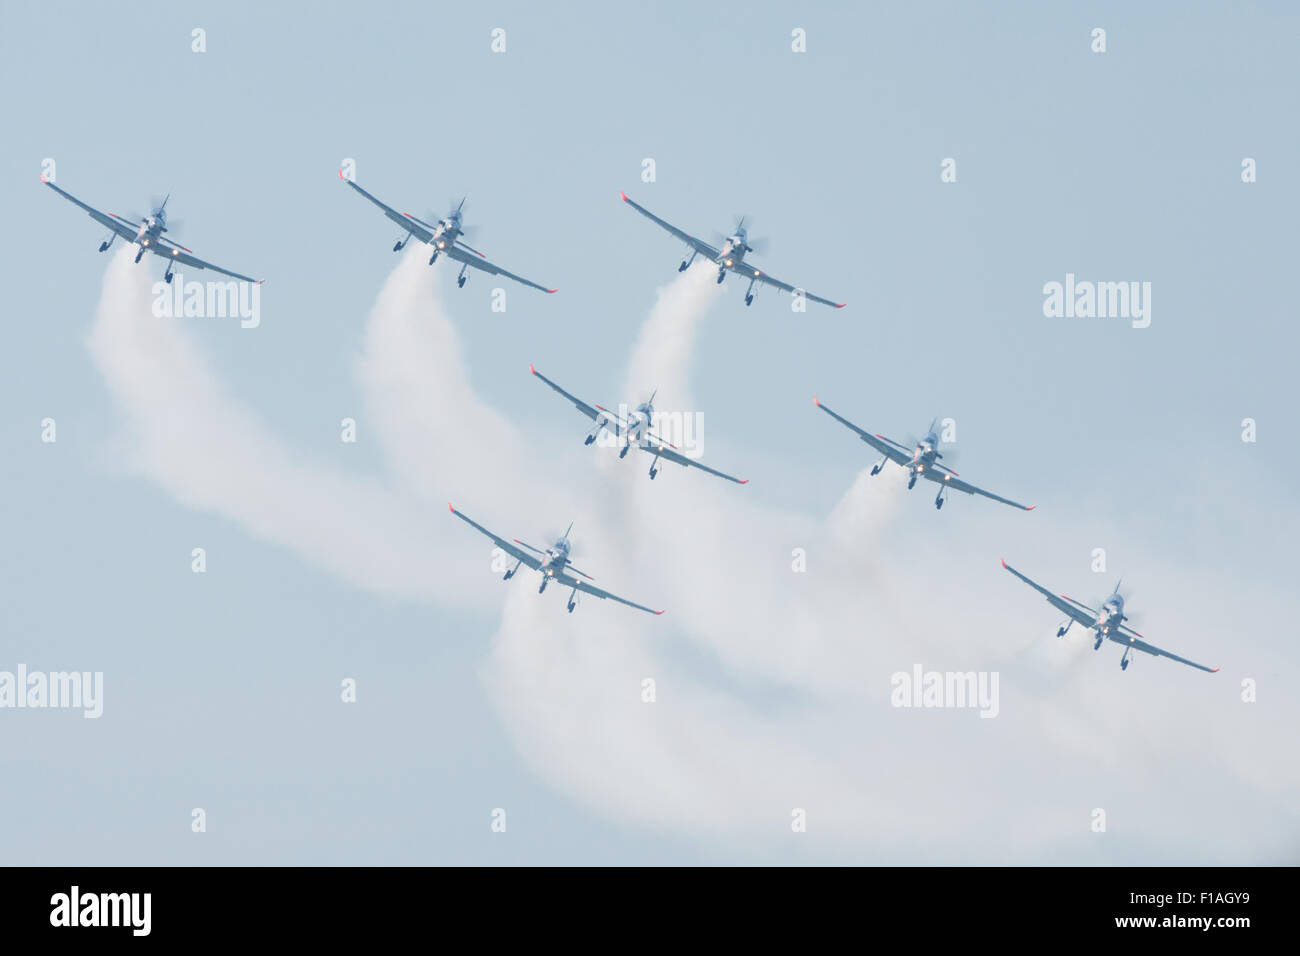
x=730, y=257
x=921, y=461
x=445, y=236
x=148, y=235
x=1106, y=622
x=552, y=563
x=634, y=432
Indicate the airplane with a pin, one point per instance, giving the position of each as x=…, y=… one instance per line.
x=1107, y=621
x=148, y=234
x=553, y=563
x=445, y=237
x=730, y=256
x=634, y=431
x=920, y=462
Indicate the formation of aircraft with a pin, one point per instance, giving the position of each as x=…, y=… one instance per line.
x=1105, y=622
x=921, y=461
x=730, y=257
x=634, y=432
x=552, y=563
x=445, y=237
x=147, y=234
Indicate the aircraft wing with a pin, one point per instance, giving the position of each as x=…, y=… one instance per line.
x=1073, y=609
x=699, y=245
x=511, y=548
x=123, y=227
x=667, y=453
x=173, y=252
x=477, y=260
x=746, y=270
x=886, y=446
x=943, y=476
x=412, y=225
x=1131, y=638
x=594, y=412
x=571, y=582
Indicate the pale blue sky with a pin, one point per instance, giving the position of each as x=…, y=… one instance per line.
x=221, y=690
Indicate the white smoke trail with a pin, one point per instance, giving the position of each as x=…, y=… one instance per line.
x=184, y=431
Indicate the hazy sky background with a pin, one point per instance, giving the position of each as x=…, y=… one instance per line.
x=222, y=689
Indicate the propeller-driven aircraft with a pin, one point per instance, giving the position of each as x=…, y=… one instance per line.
x=633, y=432
x=552, y=563
x=730, y=256
x=445, y=237
x=148, y=235
x=921, y=461
x=1106, y=623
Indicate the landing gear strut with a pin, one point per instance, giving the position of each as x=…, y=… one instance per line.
x=1060, y=631
x=654, y=470
x=107, y=242
x=400, y=244
x=622, y=452
x=875, y=470
x=722, y=274
x=1123, y=661
x=139, y=255
x=433, y=258
x=460, y=279
x=938, y=501
x=511, y=573
x=168, y=274
x=749, y=293
x=1097, y=646
x=573, y=598
x=911, y=481
x=686, y=263
x=542, y=587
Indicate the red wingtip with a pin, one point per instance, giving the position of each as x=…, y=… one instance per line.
x=841, y=305
x=622, y=195
x=1028, y=508
x=1214, y=670
x=258, y=281
x=660, y=612
x=342, y=177
x=817, y=401
x=43, y=179
x=531, y=369
x=450, y=508
x=1004, y=562
x=742, y=481
x=552, y=291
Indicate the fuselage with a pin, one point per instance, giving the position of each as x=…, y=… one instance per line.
x=555, y=559
x=638, y=422
x=447, y=231
x=733, y=249
x=1111, y=614
x=925, y=453
x=151, y=227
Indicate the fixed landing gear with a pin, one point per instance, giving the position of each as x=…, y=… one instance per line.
x=1097, y=645
x=168, y=274
x=460, y=279
x=400, y=244
x=1123, y=662
x=911, y=481
x=686, y=263
x=511, y=573
x=542, y=587
x=433, y=258
x=938, y=502
x=573, y=600
x=139, y=255
x=103, y=246
x=622, y=452
x=1060, y=631
x=876, y=468
x=589, y=439
x=722, y=274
